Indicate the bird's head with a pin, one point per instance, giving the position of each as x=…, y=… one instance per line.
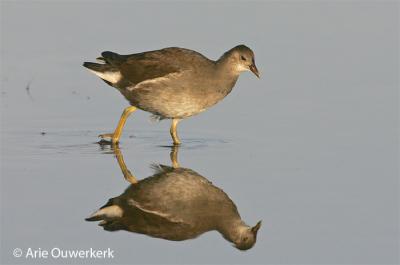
x=243, y=59
x=248, y=237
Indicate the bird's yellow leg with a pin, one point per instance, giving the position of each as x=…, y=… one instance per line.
x=114, y=137
x=174, y=156
x=173, y=131
x=125, y=171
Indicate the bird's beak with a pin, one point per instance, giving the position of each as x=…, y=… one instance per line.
x=255, y=228
x=254, y=69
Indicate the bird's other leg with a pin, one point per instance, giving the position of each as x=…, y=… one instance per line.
x=125, y=171
x=173, y=131
x=114, y=137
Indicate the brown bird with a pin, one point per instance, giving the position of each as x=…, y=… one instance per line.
x=171, y=83
x=175, y=203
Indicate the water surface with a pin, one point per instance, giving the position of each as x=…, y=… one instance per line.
x=311, y=148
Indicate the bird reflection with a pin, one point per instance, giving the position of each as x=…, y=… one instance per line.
x=175, y=203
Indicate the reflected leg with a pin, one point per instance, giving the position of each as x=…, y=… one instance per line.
x=174, y=156
x=125, y=171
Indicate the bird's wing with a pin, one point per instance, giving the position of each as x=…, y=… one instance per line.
x=159, y=214
x=162, y=81
x=146, y=66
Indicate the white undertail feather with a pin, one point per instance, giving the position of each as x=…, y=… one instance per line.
x=110, y=212
x=112, y=77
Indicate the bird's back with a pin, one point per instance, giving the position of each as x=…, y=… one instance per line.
x=139, y=67
x=183, y=194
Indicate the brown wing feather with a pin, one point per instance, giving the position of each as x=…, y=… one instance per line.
x=149, y=65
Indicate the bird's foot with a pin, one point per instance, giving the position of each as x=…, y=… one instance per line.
x=108, y=138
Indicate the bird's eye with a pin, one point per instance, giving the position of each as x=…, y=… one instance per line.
x=245, y=239
x=243, y=58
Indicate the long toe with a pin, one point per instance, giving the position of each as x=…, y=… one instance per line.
x=108, y=138
x=106, y=135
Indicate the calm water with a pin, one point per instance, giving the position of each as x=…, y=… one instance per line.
x=311, y=148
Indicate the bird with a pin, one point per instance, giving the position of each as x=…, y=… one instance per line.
x=175, y=203
x=171, y=83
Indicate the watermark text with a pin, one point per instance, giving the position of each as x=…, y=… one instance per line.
x=60, y=253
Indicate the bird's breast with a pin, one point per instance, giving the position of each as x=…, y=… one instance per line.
x=180, y=95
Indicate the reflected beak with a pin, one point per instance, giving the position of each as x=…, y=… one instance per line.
x=255, y=228
x=254, y=69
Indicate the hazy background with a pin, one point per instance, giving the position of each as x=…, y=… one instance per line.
x=311, y=148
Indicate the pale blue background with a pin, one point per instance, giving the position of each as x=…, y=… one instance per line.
x=311, y=148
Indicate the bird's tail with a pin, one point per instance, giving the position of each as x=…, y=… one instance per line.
x=97, y=67
x=110, y=216
x=108, y=68
x=107, y=72
x=112, y=58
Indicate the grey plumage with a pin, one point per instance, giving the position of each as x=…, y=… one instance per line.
x=176, y=204
x=173, y=82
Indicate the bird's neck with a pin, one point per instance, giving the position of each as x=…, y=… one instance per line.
x=226, y=67
x=226, y=74
x=232, y=229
